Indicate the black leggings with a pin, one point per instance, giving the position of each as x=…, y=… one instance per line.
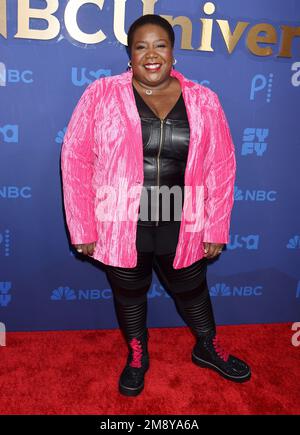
x=187, y=286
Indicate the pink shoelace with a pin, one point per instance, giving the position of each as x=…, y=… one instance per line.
x=220, y=351
x=137, y=353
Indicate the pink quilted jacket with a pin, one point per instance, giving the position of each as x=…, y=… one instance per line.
x=102, y=156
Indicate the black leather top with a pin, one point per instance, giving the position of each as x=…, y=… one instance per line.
x=165, y=147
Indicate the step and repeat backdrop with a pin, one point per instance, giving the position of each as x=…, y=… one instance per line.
x=248, y=52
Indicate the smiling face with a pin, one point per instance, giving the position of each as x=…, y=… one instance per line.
x=151, y=55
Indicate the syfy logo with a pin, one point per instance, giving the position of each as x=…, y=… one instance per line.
x=5, y=298
x=14, y=76
x=9, y=133
x=262, y=84
x=254, y=195
x=247, y=242
x=254, y=141
x=221, y=289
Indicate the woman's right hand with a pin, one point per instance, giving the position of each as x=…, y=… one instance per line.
x=85, y=248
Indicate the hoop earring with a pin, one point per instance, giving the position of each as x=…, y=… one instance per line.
x=129, y=64
x=174, y=61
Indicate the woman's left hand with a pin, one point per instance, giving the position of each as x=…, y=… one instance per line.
x=211, y=250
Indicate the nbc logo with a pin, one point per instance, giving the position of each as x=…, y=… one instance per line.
x=294, y=242
x=222, y=289
x=69, y=294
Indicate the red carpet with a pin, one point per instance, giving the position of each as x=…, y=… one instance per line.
x=76, y=372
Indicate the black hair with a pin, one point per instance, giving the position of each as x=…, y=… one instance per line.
x=150, y=19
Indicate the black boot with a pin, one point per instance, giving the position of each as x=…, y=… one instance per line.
x=208, y=353
x=131, y=382
x=196, y=310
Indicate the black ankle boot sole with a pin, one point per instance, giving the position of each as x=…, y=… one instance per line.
x=131, y=392
x=205, y=364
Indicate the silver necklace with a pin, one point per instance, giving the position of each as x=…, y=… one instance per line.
x=148, y=91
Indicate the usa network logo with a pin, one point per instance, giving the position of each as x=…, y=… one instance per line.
x=254, y=195
x=244, y=242
x=222, y=289
x=69, y=294
x=294, y=242
x=82, y=77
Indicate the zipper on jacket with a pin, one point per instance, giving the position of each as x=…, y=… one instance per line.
x=158, y=154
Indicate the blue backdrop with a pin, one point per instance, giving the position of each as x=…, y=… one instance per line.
x=43, y=284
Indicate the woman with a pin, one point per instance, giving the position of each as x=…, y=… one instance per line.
x=146, y=128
